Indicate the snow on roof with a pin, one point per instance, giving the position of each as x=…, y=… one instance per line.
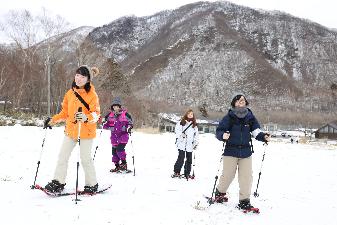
x=333, y=124
x=169, y=116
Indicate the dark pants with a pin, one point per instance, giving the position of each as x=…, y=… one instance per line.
x=118, y=153
x=180, y=161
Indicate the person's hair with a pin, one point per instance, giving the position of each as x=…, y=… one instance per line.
x=84, y=71
x=236, y=98
x=184, y=118
x=112, y=107
x=87, y=86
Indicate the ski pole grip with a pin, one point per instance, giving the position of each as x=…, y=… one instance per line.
x=225, y=140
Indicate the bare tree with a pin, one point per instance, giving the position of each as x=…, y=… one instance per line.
x=203, y=110
x=333, y=88
x=3, y=79
x=51, y=28
x=32, y=62
x=21, y=28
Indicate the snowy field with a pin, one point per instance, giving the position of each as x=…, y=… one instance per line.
x=298, y=183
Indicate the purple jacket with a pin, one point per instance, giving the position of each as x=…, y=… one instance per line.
x=118, y=123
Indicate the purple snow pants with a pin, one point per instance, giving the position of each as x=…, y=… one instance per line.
x=118, y=153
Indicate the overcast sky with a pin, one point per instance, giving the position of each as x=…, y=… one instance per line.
x=99, y=12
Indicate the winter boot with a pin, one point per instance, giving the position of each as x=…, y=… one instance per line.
x=245, y=206
x=54, y=186
x=90, y=189
x=176, y=175
x=123, y=166
x=220, y=197
x=116, y=169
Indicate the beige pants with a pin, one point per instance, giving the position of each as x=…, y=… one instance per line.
x=245, y=177
x=86, y=160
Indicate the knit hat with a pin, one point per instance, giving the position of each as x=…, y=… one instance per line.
x=87, y=71
x=236, y=97
x=117, y=101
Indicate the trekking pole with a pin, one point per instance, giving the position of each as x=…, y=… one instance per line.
x=78, y=156
x=38, y=162
x=193, y=152
x=133, y=156
x=100, y=134
x=216, y=176
x=193, y=175
x=258, y=181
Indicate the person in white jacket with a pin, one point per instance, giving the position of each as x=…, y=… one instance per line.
x=187, y=136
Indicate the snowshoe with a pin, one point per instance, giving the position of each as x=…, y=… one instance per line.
x=124, y=171
x=99, y=190
x=123, y=166
x=116, y=169
x=245, y=206
x=90, y=190
x=220, y=197
x=176, y=175
x=187, y=177
x=54, y=186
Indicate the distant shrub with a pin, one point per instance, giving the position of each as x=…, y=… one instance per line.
x=24, y=119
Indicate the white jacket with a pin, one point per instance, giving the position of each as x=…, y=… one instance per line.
x=188, y=141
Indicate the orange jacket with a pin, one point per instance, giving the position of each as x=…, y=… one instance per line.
x=70, y=106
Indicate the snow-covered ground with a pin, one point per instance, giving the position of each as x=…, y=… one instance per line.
x=298, y=183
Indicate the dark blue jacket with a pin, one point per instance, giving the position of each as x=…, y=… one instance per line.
x=238, y=144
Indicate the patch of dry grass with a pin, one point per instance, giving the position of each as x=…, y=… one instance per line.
x=148, y=130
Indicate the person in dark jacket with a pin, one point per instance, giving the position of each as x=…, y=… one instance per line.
x=236, y=129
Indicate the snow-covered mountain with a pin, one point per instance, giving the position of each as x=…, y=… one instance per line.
x=64, y=46
x=202, y=53
x=69, y=41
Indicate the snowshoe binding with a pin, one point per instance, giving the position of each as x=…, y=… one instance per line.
x=176, y=175
x=245, y=206
x=54, y=186
x=90, y=190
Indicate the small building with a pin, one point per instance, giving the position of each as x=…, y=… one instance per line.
x=270, y=127
x=207, y=126
x=167, y=123
x=328, y=131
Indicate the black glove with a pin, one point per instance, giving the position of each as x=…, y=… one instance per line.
x=106, y=117
x=46, y=123
x=266, y=137
x=129, y=129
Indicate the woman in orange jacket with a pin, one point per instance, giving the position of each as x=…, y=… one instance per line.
x=80, y=107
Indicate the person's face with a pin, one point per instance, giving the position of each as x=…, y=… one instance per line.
x=116, y=108
x=190, y=115
x=241, y=102
x=80, y=80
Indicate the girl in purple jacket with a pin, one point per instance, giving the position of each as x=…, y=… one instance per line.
x=120, y=123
